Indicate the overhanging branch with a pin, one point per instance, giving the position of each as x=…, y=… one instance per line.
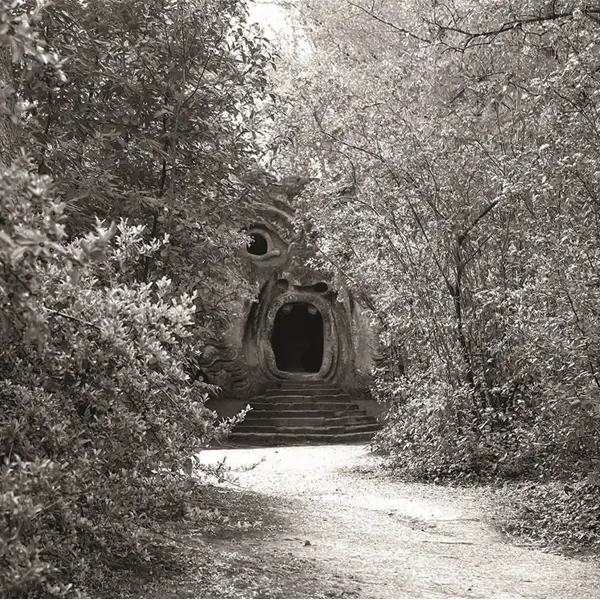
x=472, y=36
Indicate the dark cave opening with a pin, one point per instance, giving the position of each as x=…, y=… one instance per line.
x=258, y=245
x=297, y=338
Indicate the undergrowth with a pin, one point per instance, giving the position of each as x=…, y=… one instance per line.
x=542, y=450
x=560, y=515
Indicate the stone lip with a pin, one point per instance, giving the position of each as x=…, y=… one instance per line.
x=293, y=439
x=330, y=334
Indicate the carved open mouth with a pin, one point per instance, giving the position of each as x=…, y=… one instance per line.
x=297, y=338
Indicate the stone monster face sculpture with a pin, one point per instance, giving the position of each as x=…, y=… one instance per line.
x=296, y=329
x=299, y=326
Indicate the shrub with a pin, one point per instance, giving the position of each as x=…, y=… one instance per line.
x=436, y=431
x=98, y=411
x=455, y=191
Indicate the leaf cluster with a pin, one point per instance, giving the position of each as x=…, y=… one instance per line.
x=159, y=123
x=99, y=413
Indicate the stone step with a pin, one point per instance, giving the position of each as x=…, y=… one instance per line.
x=282, y=439
x=300, y=383
x=303, y=412
x=302, y=393
x=303, y=398
x=280, y=407
x=325, y=429
x=285, y=420
x=298, y=413
x=307, y=391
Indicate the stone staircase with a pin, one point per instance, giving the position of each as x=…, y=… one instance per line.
x=304, y=412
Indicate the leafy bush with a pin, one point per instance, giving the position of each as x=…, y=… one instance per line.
x=98, y=411
x=434, y=431
x=456, y=185
x=157, y=123
x=99, y=416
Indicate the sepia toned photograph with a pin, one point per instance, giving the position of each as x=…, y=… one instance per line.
x=300, y=299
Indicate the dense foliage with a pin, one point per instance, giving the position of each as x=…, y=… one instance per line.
x=157, y=121
x=136, y=120
x=97, y=407
x=456, y=150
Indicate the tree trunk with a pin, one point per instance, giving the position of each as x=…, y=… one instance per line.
x=8, y=128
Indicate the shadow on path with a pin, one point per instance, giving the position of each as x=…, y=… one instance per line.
x=377, y=538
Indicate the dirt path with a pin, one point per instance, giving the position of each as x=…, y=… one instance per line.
x=376, y=538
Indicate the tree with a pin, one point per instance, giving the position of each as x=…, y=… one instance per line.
x=98, y=320
x=456, y=148
x=159, y=124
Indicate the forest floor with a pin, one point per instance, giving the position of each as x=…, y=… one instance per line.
x=325, y=521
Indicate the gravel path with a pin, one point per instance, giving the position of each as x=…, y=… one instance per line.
x=378, y=538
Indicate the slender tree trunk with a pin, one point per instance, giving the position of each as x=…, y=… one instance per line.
x=8, y=128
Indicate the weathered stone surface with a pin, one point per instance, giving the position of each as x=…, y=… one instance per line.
x=282, y=415
x=301, y=328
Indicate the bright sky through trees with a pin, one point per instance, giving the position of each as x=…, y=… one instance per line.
x=279, y=25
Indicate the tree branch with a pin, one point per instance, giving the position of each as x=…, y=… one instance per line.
x=395, y=27
x=461, y=238
x=58, y=313
x=512, y=25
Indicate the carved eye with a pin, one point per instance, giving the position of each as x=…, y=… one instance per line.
x=258, y=244
x=264, y=246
